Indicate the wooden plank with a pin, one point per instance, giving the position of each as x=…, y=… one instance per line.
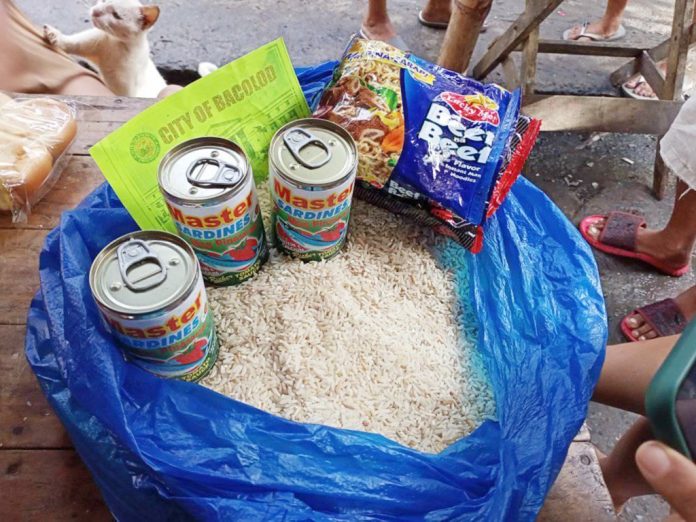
x=26, y=419
x=671, y=88
x=660, y=175
x=90, y=132
x=39, y=485
x=19, y=272
x=79, y=178
x=462, y=33
x=588, y=49
x=601, y=114
x=530, y=48
x=579, y=492
x=529, y=65
x=514, y=36
x=678, y=50
x=512, y=78
x=657, y=53
x=651, y=73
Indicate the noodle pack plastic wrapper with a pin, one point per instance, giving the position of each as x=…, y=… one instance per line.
x=172, y=450
x=433, y=144
x=35, y=133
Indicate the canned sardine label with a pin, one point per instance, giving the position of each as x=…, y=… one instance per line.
x=150, y=292
x=229, y=239
x=179, y=343
x=307, y=224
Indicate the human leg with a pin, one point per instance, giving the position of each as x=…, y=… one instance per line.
x=437, y=11
x=621, y=475
x=627, y=371
x=463, y=32
x=626, y=374
x=376, y=23
x=674, y=244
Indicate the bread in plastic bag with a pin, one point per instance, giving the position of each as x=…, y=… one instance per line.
x=35, y=133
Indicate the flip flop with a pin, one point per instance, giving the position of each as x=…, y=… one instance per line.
x=630, y=92
x=618, y=238
x=595, y=37
x=395, y=41
x=442, y=25
x=664, y=317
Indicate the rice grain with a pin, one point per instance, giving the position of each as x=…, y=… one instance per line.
x=376, y=339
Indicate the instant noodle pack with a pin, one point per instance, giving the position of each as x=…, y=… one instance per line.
x=432, y=143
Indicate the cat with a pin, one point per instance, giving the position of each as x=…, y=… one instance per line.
x=117, y=46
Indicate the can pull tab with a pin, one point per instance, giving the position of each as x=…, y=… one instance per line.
x=137, y=252
x=297, y=139
x=225, y=176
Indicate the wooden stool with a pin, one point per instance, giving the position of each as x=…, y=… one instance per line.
x=592, y=113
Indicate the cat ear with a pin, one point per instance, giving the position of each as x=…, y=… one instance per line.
x=150, y=14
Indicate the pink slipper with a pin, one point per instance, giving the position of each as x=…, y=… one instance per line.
x=664, y=317
x=618, y=238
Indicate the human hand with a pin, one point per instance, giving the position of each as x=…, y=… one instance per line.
x=671, y=475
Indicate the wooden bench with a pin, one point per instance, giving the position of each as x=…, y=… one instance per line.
x=41, y=476
x=578, y=113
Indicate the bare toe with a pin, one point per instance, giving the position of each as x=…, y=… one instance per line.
x=643, y=329
x=635, y=320
x=644, y=89
x=595, y=229
x=633, y=81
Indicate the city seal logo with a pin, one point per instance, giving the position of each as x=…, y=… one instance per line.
x=144, y=147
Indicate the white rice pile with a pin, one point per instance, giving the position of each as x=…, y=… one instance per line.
x=370, y=340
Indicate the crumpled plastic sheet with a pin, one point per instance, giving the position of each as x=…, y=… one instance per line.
x=174, y=450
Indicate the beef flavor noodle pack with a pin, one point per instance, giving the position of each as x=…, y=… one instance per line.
x=432, y=143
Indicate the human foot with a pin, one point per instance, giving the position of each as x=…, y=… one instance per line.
x=639, y=86
x=607, y=30
x=378, y=30
x=658, y=247
x=436, y=13
x=642, y=324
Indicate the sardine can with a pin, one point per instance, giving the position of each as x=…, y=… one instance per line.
x=312, y=166
x=209, y=189
x=149, y=290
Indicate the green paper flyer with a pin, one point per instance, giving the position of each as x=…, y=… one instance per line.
x=246, y=101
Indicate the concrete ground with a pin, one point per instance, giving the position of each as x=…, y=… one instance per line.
x=611, y=173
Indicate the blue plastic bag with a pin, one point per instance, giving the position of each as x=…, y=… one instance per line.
x=173, y=450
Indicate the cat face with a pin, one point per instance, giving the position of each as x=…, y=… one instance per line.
x=123, y=19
